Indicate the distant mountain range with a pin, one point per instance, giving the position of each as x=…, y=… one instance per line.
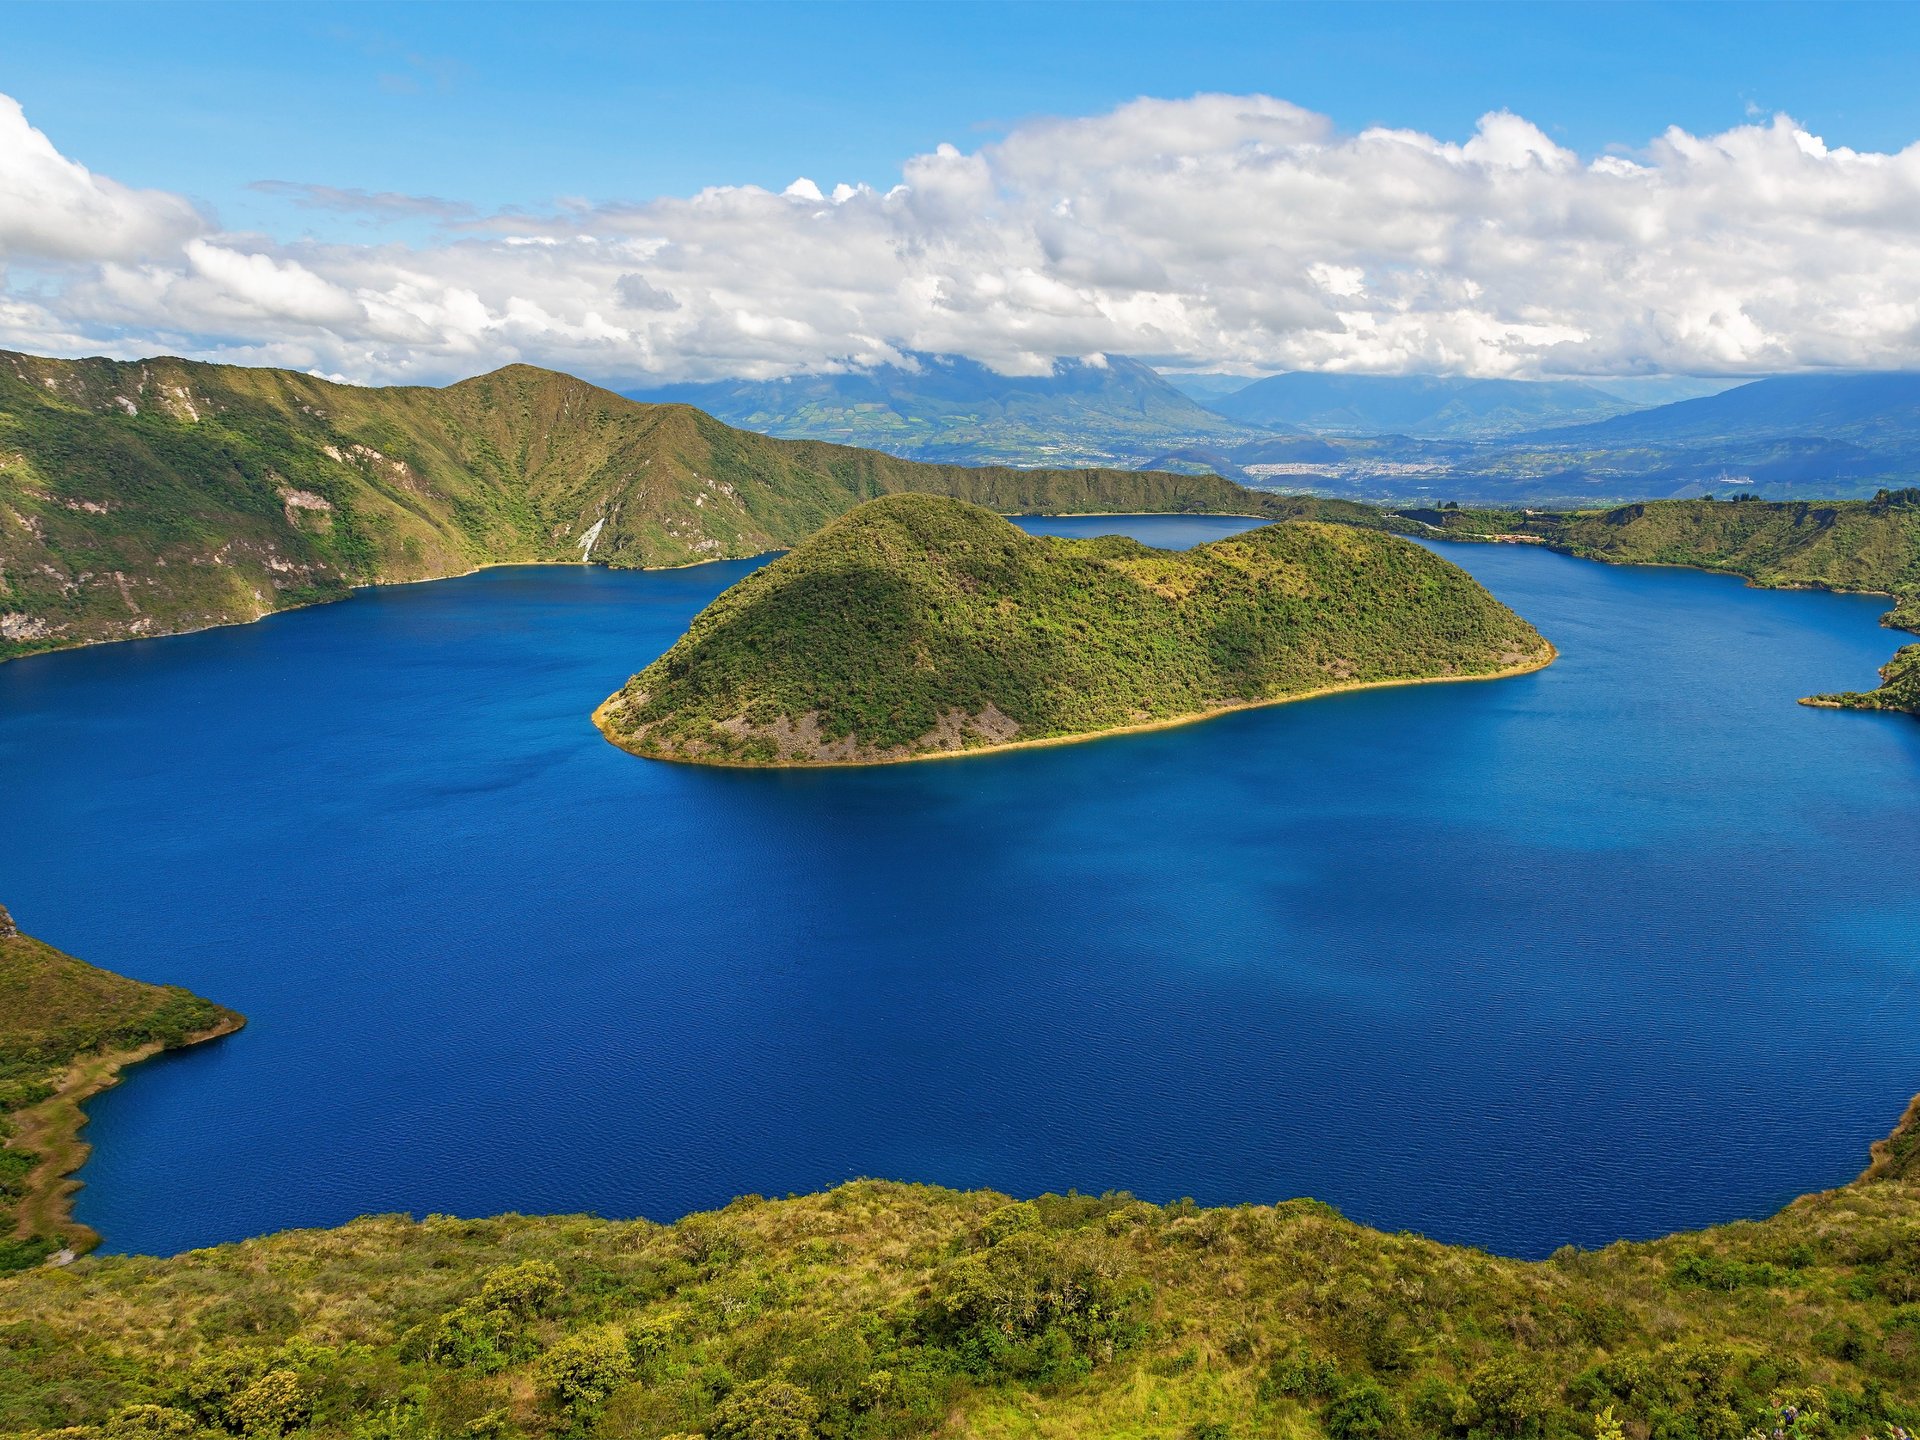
x=1112, y=411
x=1427, y=407
x=1366, y=437
x=1880, y=410
x=1636, y=391
x=1208, y=386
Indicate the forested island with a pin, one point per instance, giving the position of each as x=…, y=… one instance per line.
x=890, y=1310
x=918, y=626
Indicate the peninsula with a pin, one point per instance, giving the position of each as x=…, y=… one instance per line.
x=917, y=626
x=1870, y=546
x=67, y=1030
x=1899, y=688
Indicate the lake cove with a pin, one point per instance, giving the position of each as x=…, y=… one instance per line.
x=1610, y=949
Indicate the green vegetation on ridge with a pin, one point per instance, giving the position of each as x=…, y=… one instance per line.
x=919, y=625
x=150, y=497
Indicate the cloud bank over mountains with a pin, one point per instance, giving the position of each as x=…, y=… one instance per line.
x=1218, y=231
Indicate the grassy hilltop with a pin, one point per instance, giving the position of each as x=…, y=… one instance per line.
x=917, y=625
x=66, y=1029
x=156, y=496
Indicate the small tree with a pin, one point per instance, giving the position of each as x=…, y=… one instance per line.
x=584, y=1369
x=524, y=1290
x=766, y=1410
x=270, y=1406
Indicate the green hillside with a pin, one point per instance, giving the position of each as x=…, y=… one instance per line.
x=917, y=626
x=887, y=1310
x=156, y=496
x=65, y=1027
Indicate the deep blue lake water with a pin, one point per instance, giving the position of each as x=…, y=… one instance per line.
x=1626, y=945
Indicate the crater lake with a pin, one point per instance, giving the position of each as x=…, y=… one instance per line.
x=1620, y=947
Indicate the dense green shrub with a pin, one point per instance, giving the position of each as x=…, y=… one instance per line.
x=1362, y=1411
x=1036, y=1306
x=766, y=1410
x=588, y=1366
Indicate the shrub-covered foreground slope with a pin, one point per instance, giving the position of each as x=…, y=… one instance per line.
x=896, y=1310
x=156, y=496
x=66, y=1029
x=917, y=625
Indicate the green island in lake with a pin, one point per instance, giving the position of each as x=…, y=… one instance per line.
x=917, y=626
x=877, y=1310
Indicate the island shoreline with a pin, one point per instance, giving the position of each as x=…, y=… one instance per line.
x=1173, y=723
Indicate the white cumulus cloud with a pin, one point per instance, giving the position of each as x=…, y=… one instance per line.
x=1219, y=230
x=54, y=209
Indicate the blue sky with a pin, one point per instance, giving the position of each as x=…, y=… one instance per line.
x=387, y=192
x=511, y=105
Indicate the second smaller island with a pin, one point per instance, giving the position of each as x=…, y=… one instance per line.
x=917, y=626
